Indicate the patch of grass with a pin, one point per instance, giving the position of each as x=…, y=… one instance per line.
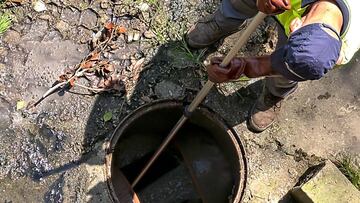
x=350, y=169
x=5, y=22
x=194, y=56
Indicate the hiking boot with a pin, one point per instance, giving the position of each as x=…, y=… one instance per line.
x=264, y=112
x=212, y=28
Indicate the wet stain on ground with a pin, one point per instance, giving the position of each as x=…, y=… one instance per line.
x=327, y=95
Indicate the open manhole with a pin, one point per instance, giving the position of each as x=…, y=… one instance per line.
x=205, y=162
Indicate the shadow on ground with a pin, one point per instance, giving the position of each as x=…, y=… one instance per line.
x=165, y=76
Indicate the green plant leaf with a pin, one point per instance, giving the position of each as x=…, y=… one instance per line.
x=107, y=116
x=5, y=22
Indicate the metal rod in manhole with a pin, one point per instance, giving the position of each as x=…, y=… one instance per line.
x=203, y=92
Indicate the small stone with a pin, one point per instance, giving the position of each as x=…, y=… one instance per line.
x=12, y=37
x=70, y=15
x=5, y=118
x=143, y=7
x=39, y=6
x=45, y=17
x=3, y=51
x=88, y=19
x=138, y=55
x=126, y=63
x=130, y=37
x=84, y=35
x=146, y=99
x=104, y=18
x=168, y=89
x=136, y=36
x=104, y=4
x=62, y=26
x=149, y=34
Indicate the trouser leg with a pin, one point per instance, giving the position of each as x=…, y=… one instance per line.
x=228, y=19
x=238, y=9
x=280, y=86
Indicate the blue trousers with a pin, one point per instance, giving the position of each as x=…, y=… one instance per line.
x=244, y=9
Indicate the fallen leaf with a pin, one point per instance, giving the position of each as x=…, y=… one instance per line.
x=104, y=62
x=121, y=30
x=20, y=105
x=107, y=116
x=109, y=68
x=95, y=56
x=63, y=77
x=108, y=83
x=87, y=64
x=72, y=82
x=96, y=38
x=114, y=82
x=143, y=7
x=109, y=25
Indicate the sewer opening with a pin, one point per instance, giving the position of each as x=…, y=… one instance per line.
x=201, y=164
x=166, y=162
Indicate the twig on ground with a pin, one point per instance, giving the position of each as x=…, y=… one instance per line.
x=90, y=64
x=93, y=89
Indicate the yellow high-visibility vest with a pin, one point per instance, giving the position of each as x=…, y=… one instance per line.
x=286, y=17
x=350, y=32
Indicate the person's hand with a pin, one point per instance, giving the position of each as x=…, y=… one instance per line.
x=273, y=7
x=220, y=74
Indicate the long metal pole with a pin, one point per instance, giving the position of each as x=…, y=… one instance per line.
x=203, y=92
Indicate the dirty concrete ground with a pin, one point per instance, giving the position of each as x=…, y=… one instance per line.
x=54, y=153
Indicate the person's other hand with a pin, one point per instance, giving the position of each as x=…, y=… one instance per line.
x=273, y=7
x=220, y=74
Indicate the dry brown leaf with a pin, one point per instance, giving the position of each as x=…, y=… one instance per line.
x=111, y=83
x=72, y=82
x=109, y=26
x=108, y=83
x=120, y=30
x=87, y=64
x=109, y=68
x=103, y=62
x=63, y=78
x=95, y=56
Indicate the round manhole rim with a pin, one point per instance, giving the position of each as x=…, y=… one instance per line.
x=127, y=120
